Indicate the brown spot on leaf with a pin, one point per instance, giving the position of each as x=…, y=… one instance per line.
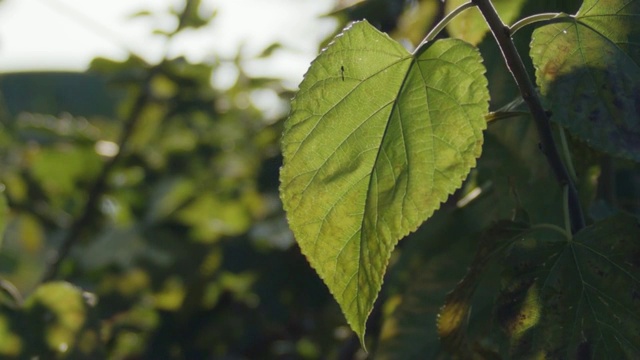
x=597, y=269
x=550, y=70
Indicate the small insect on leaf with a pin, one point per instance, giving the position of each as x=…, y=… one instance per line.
x=342, y=72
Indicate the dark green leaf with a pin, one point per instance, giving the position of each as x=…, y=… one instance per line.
x=452, y=319
x=575, y=299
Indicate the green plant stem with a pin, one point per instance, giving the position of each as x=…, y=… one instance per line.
x=501, y=115
x=443, y=23
x=91, y=25
x=512, y=58
x=565, y=208
x=545, y=17
x=99, y=187
x=567, y=153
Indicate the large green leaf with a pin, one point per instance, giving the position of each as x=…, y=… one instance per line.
x=575, y=299
x=588, y=70
x=376, y=140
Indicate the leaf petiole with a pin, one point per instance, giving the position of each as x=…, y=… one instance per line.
x=501, y=115
x=443, y=23
x=565, y=208
x=547, y=18
x=567, y=153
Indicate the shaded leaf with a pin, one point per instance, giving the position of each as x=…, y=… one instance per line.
x=455, y=312
x=424, y=273
x=575, y=299
x=376, y=140
x=588, y=69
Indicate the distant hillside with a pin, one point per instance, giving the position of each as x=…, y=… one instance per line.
x=81, y=94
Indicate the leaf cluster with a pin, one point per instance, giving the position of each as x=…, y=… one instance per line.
x=164, y=189
x=379, y=138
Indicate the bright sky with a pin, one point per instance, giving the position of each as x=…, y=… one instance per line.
x=67, y=34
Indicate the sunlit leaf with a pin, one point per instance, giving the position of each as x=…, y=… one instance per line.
x=211, y=218
x=60, y=169
x=471, y=26
x=428, y=267
x=575, y=299
x=10, y=343
x=171, y=296
x=59, y=308
x=376, y=140
x=588, y=69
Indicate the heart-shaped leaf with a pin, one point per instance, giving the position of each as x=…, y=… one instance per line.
x=588, y=70
x=377, y=138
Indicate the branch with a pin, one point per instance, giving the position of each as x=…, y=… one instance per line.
x=512, y=58
x=99, y=186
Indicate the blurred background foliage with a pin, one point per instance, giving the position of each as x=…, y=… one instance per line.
x=141, y=214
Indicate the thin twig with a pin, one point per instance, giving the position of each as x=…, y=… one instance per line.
x=443, y=23
x=512, y=58
x=99, y=186
x=546, y=18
